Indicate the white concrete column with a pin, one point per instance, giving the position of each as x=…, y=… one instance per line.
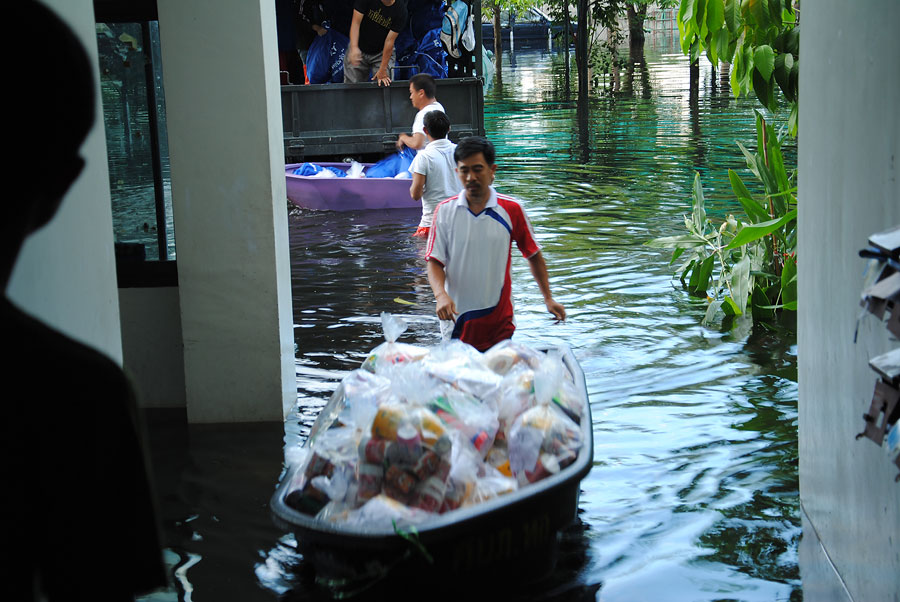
x=66, y=273
x=849, y=158
x=220, y=70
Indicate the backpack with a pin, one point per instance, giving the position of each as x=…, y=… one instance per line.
x=452, y=26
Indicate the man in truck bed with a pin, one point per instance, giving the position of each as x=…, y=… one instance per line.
x=375, y=26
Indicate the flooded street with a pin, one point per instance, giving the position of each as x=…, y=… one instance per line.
x=694, y=492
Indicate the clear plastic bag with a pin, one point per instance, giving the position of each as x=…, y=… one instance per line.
x=391, y=352
x=352, y=403
x=552, y=384
x=476, y=420
x=505, y=355
x=382, y=513
x=463, y=367
x=356, y=170
x=542, y=441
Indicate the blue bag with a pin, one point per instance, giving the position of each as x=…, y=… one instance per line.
x=430, y=57
x=325, y=58
x=391, y=165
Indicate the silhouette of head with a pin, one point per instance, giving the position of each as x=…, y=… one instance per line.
x=51, y=112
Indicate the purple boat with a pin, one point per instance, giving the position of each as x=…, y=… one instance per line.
x=347, y=194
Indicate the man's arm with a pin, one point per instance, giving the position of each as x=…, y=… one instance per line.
x=446, y=308
x=416, y=141
x=381, y=76
x=539, y=271
x=353, y=53
x=417, y=187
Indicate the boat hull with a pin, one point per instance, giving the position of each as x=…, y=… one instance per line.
x=347, y=194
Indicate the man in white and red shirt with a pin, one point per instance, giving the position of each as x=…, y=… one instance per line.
x=470, y=251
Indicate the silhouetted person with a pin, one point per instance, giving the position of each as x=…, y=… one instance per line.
x=79, y=517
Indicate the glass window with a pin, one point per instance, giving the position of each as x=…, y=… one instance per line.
x=137, y=146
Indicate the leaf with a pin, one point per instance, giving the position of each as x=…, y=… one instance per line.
x=711, y=311
x=783, y=64
x=759, y=11
x=699, y=213
x=764, y=61
x=755, y=211
x=685, y=241
x=700, y=16
x=706, y=268
x=763, y=89
x=676, y=254
x=793, y=118
x=740, y=282
x=730, y=307
x=751, y=160
x=403, y=301
x=688, y=268
x=789, y=280
x=715, y=15
x=733, y=15
x=737, y=72
x=751, y=232
x=776, y=166
x=775, y=11
x=724, y=48
x=792, y=41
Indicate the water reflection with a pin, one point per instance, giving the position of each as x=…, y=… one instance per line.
x=693, y=495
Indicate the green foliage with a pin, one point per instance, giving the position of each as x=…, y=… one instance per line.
x=743, y=263
x=760, y=38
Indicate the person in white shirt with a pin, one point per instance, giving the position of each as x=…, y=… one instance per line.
x=422, y=90
x=434, y=169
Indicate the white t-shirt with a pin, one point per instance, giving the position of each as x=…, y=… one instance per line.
x=436, y=163
x=419, y=121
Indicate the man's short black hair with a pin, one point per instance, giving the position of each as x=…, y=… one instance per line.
x=437, y=124
x=472, y=145
x=423, y=81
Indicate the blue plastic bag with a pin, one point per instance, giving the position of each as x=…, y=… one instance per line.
x=430, y=57
x=391, y=165
x=311, y=169
x=325, y=58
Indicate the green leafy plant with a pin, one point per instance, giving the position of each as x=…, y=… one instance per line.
x=749, y=262
x=760, y=38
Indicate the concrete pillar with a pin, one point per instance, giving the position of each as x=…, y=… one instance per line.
x=849, y=151
x=66, y=273
x=220, y=70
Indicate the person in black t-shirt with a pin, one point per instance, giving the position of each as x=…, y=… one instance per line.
x=375, y=26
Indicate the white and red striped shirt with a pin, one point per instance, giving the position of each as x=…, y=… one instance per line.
x=476, y=252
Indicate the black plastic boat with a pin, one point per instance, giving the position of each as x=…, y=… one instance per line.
x=514, y=534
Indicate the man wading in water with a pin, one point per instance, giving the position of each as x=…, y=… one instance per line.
x=469, y=253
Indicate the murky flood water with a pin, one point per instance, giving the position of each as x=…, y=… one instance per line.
x=693, y=495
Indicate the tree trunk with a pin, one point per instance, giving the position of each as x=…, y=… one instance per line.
x=568, y=28
x=636, y=19
x=498, y=46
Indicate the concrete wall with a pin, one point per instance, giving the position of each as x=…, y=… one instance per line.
x=220, y=70
x=152, y=346
x=849, y=150
x=66, y=272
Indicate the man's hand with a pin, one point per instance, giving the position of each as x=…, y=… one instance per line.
x=381, y=76
x=446, y=308
x=354, y=55
x=556, y=309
